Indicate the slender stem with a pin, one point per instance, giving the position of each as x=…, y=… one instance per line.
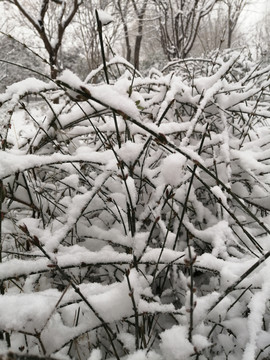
x=240, y=279
x=68, y=278
x=136, y=316
x=191, y=290
x=99, y=28
x=188, y=191
x=99, y=25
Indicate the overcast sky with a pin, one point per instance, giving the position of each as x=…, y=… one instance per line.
x=255, y=11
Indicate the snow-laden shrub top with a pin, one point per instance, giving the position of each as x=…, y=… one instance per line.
x=134, y=214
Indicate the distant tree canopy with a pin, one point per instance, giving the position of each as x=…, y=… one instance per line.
x=15, y=54
x=50, y=21
x=142, y=31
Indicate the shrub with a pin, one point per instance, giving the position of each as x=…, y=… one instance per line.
x=134, y=215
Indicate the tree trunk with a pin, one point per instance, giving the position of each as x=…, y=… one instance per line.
x=128, y=47
x=137, y=47
x=139, y=36
x=230, y=27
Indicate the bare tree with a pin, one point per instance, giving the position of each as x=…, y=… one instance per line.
x=179, y=23
x=85, y=33
x=140, y=12
x=132, y=12
x=260, y=40
x=64, y=12
x=86, y=36
x=219, y=29
x=123, y=12
x=234, y=10
x=13, y=51
x=212, y=32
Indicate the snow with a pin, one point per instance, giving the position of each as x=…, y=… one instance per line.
x=76, y=256
x=144, y=355
x=255, y=320
x=30, y=85
x=175, y=345
x=129, y=189
x=95, y=355
x=106, y=94
x=154, y=307
x=128, y=340
x=130, y=152
x=103, y=94
x=172, y=169
x=200, y=342
x=33, y=311
x=14, y=161
x=205, y=83
x=104, y=17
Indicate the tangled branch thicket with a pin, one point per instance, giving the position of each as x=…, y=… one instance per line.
x=135, y=214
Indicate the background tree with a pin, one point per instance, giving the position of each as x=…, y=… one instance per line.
x=179, y=23
x=260, y=40
x=123, y=9
x=220, y=28
x=50, y=21
x=234, y=10
x=140, y=12
x=15, y=52
x=132, y=15
x=84, y=36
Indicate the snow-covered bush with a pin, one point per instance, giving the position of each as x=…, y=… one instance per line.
x=134, y=215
